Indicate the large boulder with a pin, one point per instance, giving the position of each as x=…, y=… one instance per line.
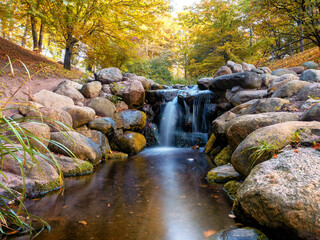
x=56, y=118
x=240, y=127
x=281, y=81
x=310, y=75
x=224, y=70
x=80, y=115
x=310, y=91
x=105, y=125
x=313, y=114
x=39, y=130
x=150, y=132
x=243, y=96
x=40, y=176
x=290, y=89
x=100, y=139
x=91, y=89
x=129, y=142
x=266, y=105
x=82, y=147
x=50, y=99
x=282, y=71
x=248, y=80
x=102, y=106
x=261, y=144
x=108, y=75
x=284, y=194
x=71, y=92
x=131, y=120
x=203, y=83
x=29, y=106
x=144, y=81
x=132, y=92
x=69, y=83
x=310, y=65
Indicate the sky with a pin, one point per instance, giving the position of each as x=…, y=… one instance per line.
x=179, y=4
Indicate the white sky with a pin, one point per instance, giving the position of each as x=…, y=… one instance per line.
x=179, y=4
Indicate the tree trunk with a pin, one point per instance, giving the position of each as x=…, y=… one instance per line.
x=34, y=33
x=68, y=54
x=40, y=43
x=25, y=33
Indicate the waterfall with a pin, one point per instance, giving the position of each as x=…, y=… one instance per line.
x=168, y=123
x=185, y=121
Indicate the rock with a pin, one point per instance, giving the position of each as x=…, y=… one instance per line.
x=210, y=144
x=246, y=95
x=91, y=89
x=120, y=106
x=283, y=193
x=17, y=117
x=265, y=69
x=80, y=115
x=236, y=68
x=231, y=188
x=57, y=119
x=150, y=132
x=310, y=65
x=310, y=75
x=224, y=157
x=282, y=71
x=50, y=99
x=70, y=92
x=107, y=89
x=246, y=67
x=297, y=70
x=145, y=83
x=267, y=79
x=156, y=86
x=103, y=107
x=281, y=81
x=310, y=91
x=81, y=146
x=248, y=80
x=269, y=140
x=69, y=83
x=308, y=104
x=230, y=64
x=40, y=176
x=313, y=114
x=29, y=106
x=290, y=89
x=203, y=83
x=132, y=92
x=105, y=125
x=108, y=75
x=223, y=174
x=100, y=139
x=131, y=120
x=239, y=234
x=224, y=70
x=266, y=105
x=240, y=127
x=129, y=142
x=72, y=167
x=39, y=130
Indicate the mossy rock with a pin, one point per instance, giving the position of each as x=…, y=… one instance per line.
x=83, y=169
x=215, y=151
x=116, y=155
x=224, y=157
x=246, y=233
x=130, y=120
x=231, y=189
x=223, y=174
x=210, y=144
x=128, y=142
x=42, y=189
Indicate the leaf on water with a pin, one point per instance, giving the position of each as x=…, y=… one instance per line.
x=36, y=199
x=83, y=223
x=108, y=204
x=209, y=233
x=65, y=206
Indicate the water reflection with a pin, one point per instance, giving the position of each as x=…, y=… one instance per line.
x=155, y=195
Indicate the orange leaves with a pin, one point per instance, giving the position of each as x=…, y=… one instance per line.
x=83, y=223
x=209, y=233
x=316, y=146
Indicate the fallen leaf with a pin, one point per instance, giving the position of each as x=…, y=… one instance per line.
x=108, y=204
x=316, y=146
x=209, y=233
x=275, y=156
x=83, y=222
x=36, y=199
x=296, y=151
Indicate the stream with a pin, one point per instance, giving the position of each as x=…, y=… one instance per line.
x=160, y=193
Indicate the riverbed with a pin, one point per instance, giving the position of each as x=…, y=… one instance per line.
x=159, y=194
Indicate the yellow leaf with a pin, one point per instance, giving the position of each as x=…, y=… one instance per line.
x=83, y=222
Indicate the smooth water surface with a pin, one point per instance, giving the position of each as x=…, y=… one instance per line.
x=159, y=194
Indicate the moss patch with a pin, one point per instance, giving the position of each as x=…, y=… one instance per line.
x=118, y=155
x=83, y=169
x=231, y=188
x=41, y=189
x=210, y=144
x=224, y=157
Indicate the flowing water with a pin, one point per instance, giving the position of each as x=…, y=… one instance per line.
x=159, y=194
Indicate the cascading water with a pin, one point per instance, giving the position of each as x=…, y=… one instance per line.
x=185, y=121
